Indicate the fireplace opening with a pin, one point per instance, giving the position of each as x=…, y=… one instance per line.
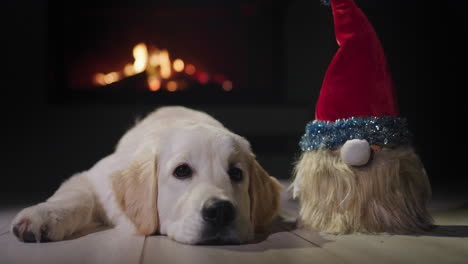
x=169, y=53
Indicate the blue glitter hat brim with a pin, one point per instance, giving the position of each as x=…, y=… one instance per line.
x=385, y=130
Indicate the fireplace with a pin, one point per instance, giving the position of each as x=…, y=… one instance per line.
x=175, y=52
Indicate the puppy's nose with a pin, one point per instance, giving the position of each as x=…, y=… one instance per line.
x=218, y=212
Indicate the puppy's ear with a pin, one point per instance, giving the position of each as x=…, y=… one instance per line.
x=264, y=192
x=136, y=191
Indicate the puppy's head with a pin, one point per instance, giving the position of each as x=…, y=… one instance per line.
x=201, y=185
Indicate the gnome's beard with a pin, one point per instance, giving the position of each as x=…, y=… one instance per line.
x=387, y=195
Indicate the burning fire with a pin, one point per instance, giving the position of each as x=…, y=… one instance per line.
x=158, y=67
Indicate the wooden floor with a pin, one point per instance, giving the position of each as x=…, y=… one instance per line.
x=446, y=244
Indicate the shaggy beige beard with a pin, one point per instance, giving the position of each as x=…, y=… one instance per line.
x=388, y=195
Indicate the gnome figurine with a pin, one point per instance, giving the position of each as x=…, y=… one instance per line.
x=358, y=171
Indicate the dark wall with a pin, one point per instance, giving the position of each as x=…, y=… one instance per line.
x=43, y=143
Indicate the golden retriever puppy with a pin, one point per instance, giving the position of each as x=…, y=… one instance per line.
x=178, y=172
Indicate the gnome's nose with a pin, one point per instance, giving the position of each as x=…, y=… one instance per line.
x=355, y=152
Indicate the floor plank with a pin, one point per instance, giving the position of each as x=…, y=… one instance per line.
x=107, y=246
x=281, y=247
x=447, y=243
x=385, y=248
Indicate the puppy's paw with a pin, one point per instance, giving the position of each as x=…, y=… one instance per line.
x=39, y=223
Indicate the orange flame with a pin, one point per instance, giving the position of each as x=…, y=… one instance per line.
x=140, y=53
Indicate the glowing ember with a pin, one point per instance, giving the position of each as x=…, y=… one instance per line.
x=178, y=65
x=171, y=86
x=128, y=70
x=111, y=77
x=154, y=84
x=99, y=79
x=227, y=86
x=190, y=69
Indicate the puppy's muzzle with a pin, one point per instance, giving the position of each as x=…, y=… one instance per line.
x=218, y=213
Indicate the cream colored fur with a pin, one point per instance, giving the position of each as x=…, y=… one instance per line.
x=387, y=195
x=135, y=191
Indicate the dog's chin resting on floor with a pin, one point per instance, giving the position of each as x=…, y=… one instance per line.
x=389, y=194
x=178, y=172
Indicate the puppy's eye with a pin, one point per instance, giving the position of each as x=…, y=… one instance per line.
x=183, y=172
x=235, y=174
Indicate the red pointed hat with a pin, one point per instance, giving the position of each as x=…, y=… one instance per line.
x=357, y=82
x=357, y=99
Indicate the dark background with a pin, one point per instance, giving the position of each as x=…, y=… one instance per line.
x=45, y=141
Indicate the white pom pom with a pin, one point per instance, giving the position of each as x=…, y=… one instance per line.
x=355, y=152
